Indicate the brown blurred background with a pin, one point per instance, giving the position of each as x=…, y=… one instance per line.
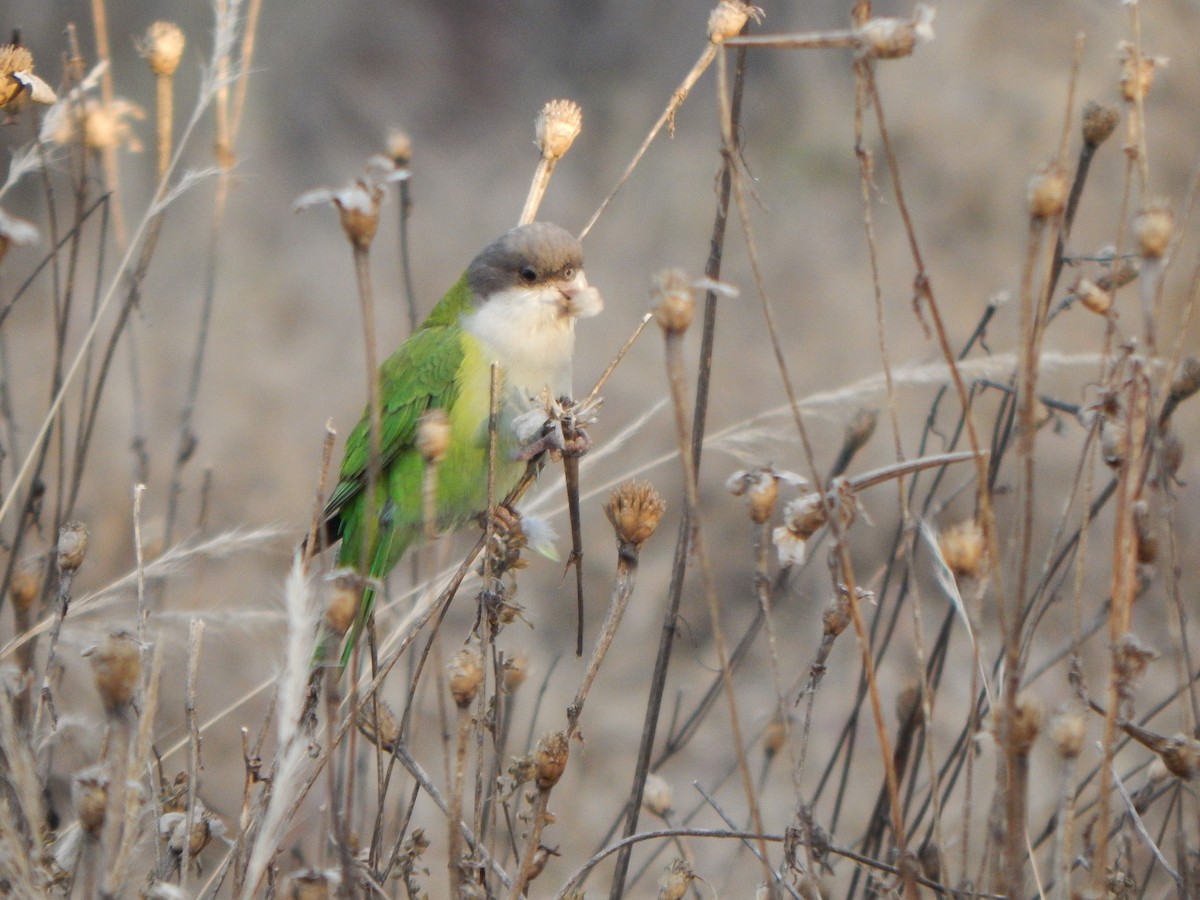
x=972, y=114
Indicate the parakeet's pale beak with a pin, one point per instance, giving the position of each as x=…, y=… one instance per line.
x=580, y=300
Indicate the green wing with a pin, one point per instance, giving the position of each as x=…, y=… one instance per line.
x=420, y=376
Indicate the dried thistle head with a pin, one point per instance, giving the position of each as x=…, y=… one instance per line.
x=963, y=548
x=676, y=880
x=1099, y=122
x=399, y=148
x=1024, y=723
x=1067, y=731
x=836, y=617
x=1093, y=297
x=1137, y=71
x=117, y=667
x=26, y=584
x=550, y=759
x=466, y=675
x=557, y=126
x=162, y=47
x=634, y=509
x=1131, y=658
x=433, y=436
x=358, y=203
x=729, y=17
x=1046, y=193
x=760, y=487
x=72, y=546
x=1152, y=229
x=89, y=796
x=514, y=673
x=802, y=518
x=673, y=300
x=379, y=725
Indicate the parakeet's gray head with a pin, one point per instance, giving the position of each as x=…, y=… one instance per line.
x=529, y=288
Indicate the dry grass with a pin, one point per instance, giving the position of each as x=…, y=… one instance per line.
x=951, y=655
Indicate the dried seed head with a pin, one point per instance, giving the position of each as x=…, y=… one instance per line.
x=1131, y=658
x=89, y=795
x=1099, y=122
x=1067, y=731
x=963, y=548
x=117, y=667
x=676, y=880
x=516, y=670
x=72, y=546
x=801, y=519
x=541, y=856
x=358, y=211
x=1093, y=297
x=345, y=600
x=1046, y=193
x=836, y=618
x=760, y=487
x=433, y=436
x=162, y=47
x=466, y=675
x=1152, y=230
x=26, y=584
x=657, y=797
x=550, y=759
x=1147, y=541
x=728, y=19
x=557, y=126
x=1187, y=381
x=673, y=300
x=379, y=725
x=1137, y=71
x=205, y=826
x=399, y=148
x=13, y=59
x=1026, y=723
x=634, y=509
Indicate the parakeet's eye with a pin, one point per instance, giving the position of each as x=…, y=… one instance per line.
x=529, y=274
x=568, y=272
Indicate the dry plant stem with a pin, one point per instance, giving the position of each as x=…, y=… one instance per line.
x=454, y=853
x=668, y=114
x=406, y=274
x=195, y=639
x=537, y=189
x=622, y=590
x=164, y=119
x=662, y=660
x=1064, y=832
x=677, y=379
x=539, y=816
x=311, y=545
x=107, y=95
x=143, y=612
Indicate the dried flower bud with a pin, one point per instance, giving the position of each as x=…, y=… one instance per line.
x=399, y=148
x=1181, y=755
x=89, y=796
x=728, y=19
x=1137, y=71
x=1152, y=230
x=466, y=675
x=1046, y=194
x=657, y=797
x=516, y=670
x=1099, y=122
x=541, y=856
x=379, y=725
x=774, y=737
x=557, y=126
x=1026, y=723
x=72, y=546
x=433, y=436
x=17, y=81
x=890, y=38
x=760, y=487
x=117, y=666
x=162, y=47
x=26, y=584
x=550, y=759
x=801, y=519
x=1093, y=297
x=963, y=548
x=676, y=880
x=1067, y=731
x=345, y=600
x=1114, y=435
x=1131, y=658
x=634, y=509
x=836, y=617
x=673, y=300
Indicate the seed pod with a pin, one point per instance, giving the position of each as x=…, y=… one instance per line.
x=1067, y=731
x=676, y=880
x=72, y=546
x=516, y=669
x=1152, y=230
x=1026, y=723
x=550, y=759
x=728, y=18
x=634, y=509
x=89, y=795
x=1099, y=122
x=963, y=548
x=399, y=148
x=27, y=579
x=162, y=47
x=657, y=796
x=673, y=301
x=117, y=667
x=557, y=126
x=344, y=602
x=1093, y=297
x=466, y=675
x=1046, y=193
